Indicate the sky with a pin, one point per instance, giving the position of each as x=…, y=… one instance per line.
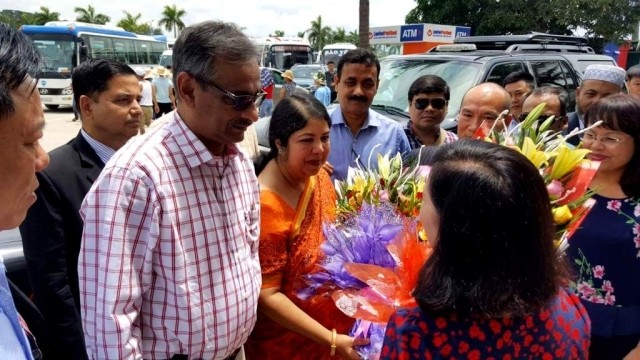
x=260, y=18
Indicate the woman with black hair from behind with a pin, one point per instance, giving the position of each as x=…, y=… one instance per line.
x=296, y=197
x=494, y=284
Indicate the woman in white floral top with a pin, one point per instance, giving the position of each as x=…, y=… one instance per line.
x=605, y=251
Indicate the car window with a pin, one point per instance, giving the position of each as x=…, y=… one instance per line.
x=571, y=83
x=305, y=72
x=277, y=77
x=549, y=73
x=581, y=64
x=397, y=75
x=500, y=71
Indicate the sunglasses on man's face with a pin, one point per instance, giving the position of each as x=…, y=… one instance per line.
x=436, y=103
x=540, y=119
x=239, y=102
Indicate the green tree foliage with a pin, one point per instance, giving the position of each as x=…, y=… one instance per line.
x=89, y=15
x=608, y=19
x=15, y=18
x=319, y=35
x=339, y=35
x=130, y=23
x=277, y=33
x=172, y=19
x=44, y=16
x=353, y=37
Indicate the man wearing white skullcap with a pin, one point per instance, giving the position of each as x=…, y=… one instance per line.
x=598, y=81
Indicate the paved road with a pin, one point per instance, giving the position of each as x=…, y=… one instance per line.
x=59, y=128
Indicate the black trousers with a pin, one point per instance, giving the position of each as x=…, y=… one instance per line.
x=164, y=108
x=612, y=348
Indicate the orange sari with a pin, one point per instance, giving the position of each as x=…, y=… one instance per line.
x=289, y=249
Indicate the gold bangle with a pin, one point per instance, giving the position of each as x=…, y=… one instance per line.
x=334, y=335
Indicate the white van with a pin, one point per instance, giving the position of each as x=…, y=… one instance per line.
x=166, y=58
x=334, y=52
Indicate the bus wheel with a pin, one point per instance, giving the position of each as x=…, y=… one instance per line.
x=51, y=107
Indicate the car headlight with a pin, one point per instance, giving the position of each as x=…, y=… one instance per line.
x=67, y=91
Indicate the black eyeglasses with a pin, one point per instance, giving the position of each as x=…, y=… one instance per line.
x=239, y=102
x=436, y=103
x=541, y=118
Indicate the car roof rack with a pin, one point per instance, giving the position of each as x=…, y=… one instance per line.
x=542, y=40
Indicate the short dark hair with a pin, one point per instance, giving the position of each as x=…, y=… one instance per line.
x=19, y=59
x=92, y=76
x=633, y=71
x=495, y=253
x=519, y=75
x=428, y=84
x=559, y=92
x=619, y=112
x=359, y=56
x=199, y=46
x=290, y=115
x=331, y=62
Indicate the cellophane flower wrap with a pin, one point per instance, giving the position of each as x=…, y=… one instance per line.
x=373, y=251
x=565, y=170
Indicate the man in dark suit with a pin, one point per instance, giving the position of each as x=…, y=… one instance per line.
x=107, y=94
x=597, y=82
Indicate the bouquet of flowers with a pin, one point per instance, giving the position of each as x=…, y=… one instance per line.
x=373, y=252
x=564, y=169
x=393, y=183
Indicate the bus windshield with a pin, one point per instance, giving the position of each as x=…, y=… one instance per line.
x=332, y=55
x=58, y=52
x=285, y=56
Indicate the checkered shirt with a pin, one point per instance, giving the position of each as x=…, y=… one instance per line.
x=169, y=258
x=266, y=78
x=444, y=137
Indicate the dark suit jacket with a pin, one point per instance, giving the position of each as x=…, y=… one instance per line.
x=573, y=123
x=51, y=236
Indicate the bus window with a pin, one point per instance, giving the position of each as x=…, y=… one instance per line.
x=100, y=47
x=143, y=50
x=156, y=52
x=124, y=51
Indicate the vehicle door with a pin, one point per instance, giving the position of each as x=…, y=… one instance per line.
x=498, y=71
x=555, y=72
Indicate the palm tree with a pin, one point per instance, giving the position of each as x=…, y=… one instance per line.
x=44, y=16
x=89, y=15
x=319, y=35
x=172, y=19
x=353, y=37
x=364, y=24
x=339, y=35
x=130, y=23
x=278, y=33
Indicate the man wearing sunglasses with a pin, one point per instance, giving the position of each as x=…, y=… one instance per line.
x=169, y=261
x=428, y=100
x=555, y=100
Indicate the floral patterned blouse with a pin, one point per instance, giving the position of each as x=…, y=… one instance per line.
x=605, y=254
x=559, y=332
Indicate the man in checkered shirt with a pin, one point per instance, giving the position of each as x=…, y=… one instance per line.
x=169, y=261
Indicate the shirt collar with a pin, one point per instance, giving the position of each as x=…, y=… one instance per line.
x=371, y=120
x=440, y=139
x=194, y=150
x=103, y=151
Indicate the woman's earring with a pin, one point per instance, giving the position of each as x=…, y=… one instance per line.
x=280, y=151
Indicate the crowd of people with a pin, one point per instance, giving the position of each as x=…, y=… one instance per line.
x=185, y=244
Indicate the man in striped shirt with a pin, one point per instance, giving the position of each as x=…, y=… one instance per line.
x=169, y=261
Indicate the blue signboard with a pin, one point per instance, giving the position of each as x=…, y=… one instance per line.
x=411, y=32
x=462, y=31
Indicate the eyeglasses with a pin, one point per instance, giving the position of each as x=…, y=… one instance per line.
x=436, y=103
x=541, y=118
x=609, y=141
x=239, y=102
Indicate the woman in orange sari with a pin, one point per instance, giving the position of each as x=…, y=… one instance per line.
x=296, y=198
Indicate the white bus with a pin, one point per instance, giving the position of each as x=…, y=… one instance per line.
x=334, y=52
x=283, y=52
x=65, y=44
